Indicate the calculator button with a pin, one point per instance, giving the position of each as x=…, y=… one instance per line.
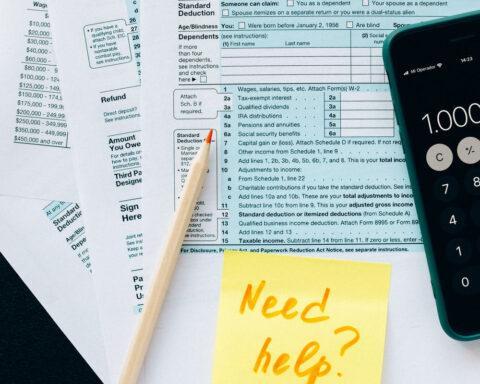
x=472, y=181
x=468, y=150
x=446, y=188
x=453, y=220
x=459, y=251
x=467, y=282
x=439, y=157
x=475, y=213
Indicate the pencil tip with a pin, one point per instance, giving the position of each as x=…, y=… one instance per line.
x=208, y=139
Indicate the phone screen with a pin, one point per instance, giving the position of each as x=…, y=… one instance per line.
x=437, y=72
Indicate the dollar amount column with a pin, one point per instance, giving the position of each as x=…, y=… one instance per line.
x=40, y=113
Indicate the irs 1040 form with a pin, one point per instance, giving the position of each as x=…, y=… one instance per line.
x=308, y=157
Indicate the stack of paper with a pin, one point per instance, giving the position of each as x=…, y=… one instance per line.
x=100, y=122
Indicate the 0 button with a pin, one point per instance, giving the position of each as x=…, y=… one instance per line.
x=467, y=282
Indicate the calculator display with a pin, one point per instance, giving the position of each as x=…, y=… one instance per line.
x=437, y=71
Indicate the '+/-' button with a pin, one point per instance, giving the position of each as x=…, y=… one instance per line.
x=468, y=150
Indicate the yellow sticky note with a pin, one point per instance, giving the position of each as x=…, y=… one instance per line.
x=289, y=320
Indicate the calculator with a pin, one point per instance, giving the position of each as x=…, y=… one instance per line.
x=434, y=74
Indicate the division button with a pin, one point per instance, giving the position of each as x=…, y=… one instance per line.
x=468, y=150
x=439, y=157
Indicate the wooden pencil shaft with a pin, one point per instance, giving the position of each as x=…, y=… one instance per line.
x=163, y=272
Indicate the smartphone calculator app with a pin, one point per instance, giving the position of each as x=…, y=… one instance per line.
x=437, y=73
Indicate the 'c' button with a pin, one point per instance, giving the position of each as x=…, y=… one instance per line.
x=439, y=157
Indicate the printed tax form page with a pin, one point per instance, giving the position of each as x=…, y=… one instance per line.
x=43, y=240
x=307, y=158
x=307, y=155
x=36, y=159
x=97, y=46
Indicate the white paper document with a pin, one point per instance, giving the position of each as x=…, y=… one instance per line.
x=307, y=159
x=35, y=160
x=98, y=53
x=44, y=240
x=48, y=264
x=34, y=166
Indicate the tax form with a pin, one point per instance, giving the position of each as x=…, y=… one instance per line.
x=48, y=266
x=98, y=51
x=308, y=157
x=35, y=160
x=43, y=240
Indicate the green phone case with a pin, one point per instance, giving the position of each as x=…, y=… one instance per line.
x=442, y=313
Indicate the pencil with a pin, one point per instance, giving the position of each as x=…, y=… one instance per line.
x=164, y=270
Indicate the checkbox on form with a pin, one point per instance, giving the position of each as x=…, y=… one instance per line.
x=241, y=25
x=365, y=2
x=290, y=3
x=349, y=24
x=225, y=12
